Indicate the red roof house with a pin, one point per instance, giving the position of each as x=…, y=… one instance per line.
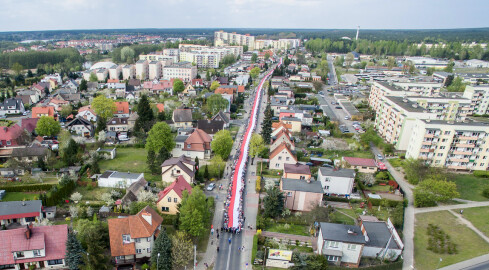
x=364, y=165
x=170, y=197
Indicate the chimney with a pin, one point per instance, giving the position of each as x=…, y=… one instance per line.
x=351, y=232
x=28, y=232
x=147, y=217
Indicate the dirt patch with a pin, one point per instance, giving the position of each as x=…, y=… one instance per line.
x=335, y=144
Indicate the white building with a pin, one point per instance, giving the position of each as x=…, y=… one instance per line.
x=142, y=69
x=479, y=95
x=154, y=70
x=222, y=38
x=183, y=70
x=336, y=181
x=118, y=179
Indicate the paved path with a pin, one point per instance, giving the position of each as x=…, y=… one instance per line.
x=470, y=225
x=477, y=263
x=451, y=207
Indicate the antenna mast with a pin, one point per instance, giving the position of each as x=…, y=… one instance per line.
x=358, y=32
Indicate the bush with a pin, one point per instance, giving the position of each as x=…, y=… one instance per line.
x=26, y=188
x=258, y=184
x=484, y=174
x=485, y=192
x=439, y=241
x=421, y=199
x=386, y=202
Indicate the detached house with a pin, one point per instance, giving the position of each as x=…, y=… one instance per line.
x=297, y=171
x=222, y=116
x=43, y=247
x=210, y=127
x=278, y=127
x=174, y=167
x=38, y=112
x=12, y=106
x=363, y=165
x=182, y=118
x=21, y=212
x=118, y=124
x=280, y=156
x=122, y=109
x=171, y=196
x=301, y=195
x=11, y=137
x=88, y=113
x=81, y=126
x=337, y=181
x=198, y=144
x=132, y=238
x=282, y=137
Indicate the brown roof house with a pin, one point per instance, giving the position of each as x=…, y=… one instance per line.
x=197, y=144
x=297, y=171
x=132, y=238
x=280, y=156
x=182, y=118
x=174, y=167
x=222, y=116
x=282, y=137
x=363, y=165
x=301, y=195
x=210, y=127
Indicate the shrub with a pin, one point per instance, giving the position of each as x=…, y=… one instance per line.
x=439, y=241
x=25, y=188
x=258, y=184
x=485, y=192
x=484, y=174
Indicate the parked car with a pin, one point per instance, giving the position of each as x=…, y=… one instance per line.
x=380, y=157
x=338, y=107
x=347, y=117
x=211, y=186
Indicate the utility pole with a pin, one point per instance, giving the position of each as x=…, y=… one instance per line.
x=195, y=256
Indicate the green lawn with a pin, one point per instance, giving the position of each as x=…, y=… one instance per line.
x=479, y=216
x=337, y=217
x=379, y=188
x=469, y=244
x=334, y=154
x=470, y=187
x=292, y=229
x=395, y=162
x=20, y=196
x=92, y=193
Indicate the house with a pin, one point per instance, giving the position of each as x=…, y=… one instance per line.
x=33, y=96
x=197, y=83
x=58, y=103
x=174, y=167
x=131, y=121
x=12, y=106
x=21, y=212
x=122, y=109
x=379, y=235
x=198, y=144
x=182, y=118
x=12, y=137
x=341, y=244
x=71, y=84
x=189, y=90
x=278, y=127
x=297, y=171
x=294, y=122
x=171, y=196
x=118, y=179
x=282, y=137
x=228, y=92
x=363, y=165
x=107, y=153
x=30, y=154
x=43, y=247
x=210, y=127
x=29, y=124
x=222, y=116
x=132, y=238
x=81, y=126
x=133, y=191
x=337, y=181
x=280, y=156
x=73, y=171
x=88, y=113
x=301, y=195
x=118, y=124
x=37, y=112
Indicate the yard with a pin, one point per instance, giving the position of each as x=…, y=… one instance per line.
x=289, y=229
x=469, y=244
x=93, y=194
x=132, y=160
x=20, y=196
x=395, y=162
x=337, y=154
x=470, y=187
x=339, y=216
x=479, y=216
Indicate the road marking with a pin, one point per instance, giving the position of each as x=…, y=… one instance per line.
x=229, y=255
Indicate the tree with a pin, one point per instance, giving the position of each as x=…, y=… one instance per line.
x=147, y=196
x=214, y=86
x=254, y=72
x=318, y=86
x=76, y=197
x=103, y=107
x=95, y=257
x=266, y=128
x=194, y=212
x=151, y=161
x=449, y=80
x=127, y=54
x=146, y=116
x=349, y=60
x=391, y=62
x=273, y=203
x=222, y=143
x=93, y=77
x=70, y=154
x=254, y=57
x=416, y=170
x=83, y=85
x=74, y=251
x=207, y=76
x=47, y=126
x=449, y=67
x=163, y=155
x=182, y=249
x=217, y=165
x=216, y=103
x=66, y=110
x=101, y=125
x=457, y=85
x=434, y=190
x=163, y=247
x=256, y=145
x=206, y=172
x=17, y=68
x=178, y=86
x=160, y=136
x=267, y=55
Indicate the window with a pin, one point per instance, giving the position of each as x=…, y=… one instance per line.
x=165, y=209
x=277, y=165
x=188, y=146
x=54, y=262
x=148, y=239
x=287, y=158
x=482, y=164
x=442, y=147
x=126, y=239
x=447, y=133
x=19, y=254
x=169, y=199
x=138, y=240
x=279, y=158
x=175, y=200
x=333, y=244
x=138, y=251
x=36, y=252
x=289, y=194
x=352, y=247
x=9, y=142
x=326, y=187
x=444, y=140
x=333, y=258
x=439, y=154
x=148, y=250
x=30, y=219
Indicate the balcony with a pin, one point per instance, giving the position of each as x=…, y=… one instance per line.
x=427, y=143
x=462, y=153
x=459, y=159
x=429, y=135
x=457, y=167
x=474, y=138
x=465, y=145
x=124, y=261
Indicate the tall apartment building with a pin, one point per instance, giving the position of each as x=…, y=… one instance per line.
x=281, y=44
x=115, y=71
x=222, y=38
x=182, y=70
x=479, y=95
x=422, y=88
x=159, y=57
x=207, y=57
x=142, y=69
x=128, y=72
x=455, y=145
x=154, y=70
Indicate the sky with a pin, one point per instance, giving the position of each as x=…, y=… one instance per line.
x=29, y=15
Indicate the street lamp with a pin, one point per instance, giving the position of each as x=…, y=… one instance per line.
x=157, y=261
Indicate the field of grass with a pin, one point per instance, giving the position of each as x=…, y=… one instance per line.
x=19, y=196
x=337, y=217
x=479, y=216
x=292, y=229
x=92, y=193
x=470, y=187
x=379, y=188
x=335, y=154
x=469, y=244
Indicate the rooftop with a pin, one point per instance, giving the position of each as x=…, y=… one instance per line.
x=302, y=185
x=342, y=233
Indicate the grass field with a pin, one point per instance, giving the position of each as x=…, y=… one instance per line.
x=469, y=244
x=292, y=229
x=470, y=187
x=479, y=216
x=19, y=196
x=337, y=217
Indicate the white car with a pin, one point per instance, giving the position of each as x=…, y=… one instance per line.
x=380, y=157
x=211, y=186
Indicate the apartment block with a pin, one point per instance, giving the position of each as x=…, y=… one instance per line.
x=422, y=88
x=142, y=69
x=170, y=59
x=222, y=38
x=128, y=72
x=479, y=96
x=456, y=145
x=183, y=70
x=154, y=70
x=115, y=71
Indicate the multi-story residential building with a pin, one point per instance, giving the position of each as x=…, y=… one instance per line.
x=446, y=107
x=222, y=38
x=176, y=167
x=128, y=72
x=12, y=106
x=165, y=59
x=422, y=88
x=336, y=181
x=115, y=71
x=479, y=96
x=154, y=70
x=183, y=70
x=142, y=69
x=132, y=238
x=381, y=89
x=171, y=196
x=455, y=145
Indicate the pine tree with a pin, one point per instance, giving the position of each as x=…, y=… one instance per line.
x=266, y=131
x=162, y=246
x=95, y=258
x=151, y=161
x=206, y=173
x=145, y=115
x=74, y=252
x=101, y=124
x=163, y=155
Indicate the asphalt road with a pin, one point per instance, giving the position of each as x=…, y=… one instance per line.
x=329, y=109
x=480, y=266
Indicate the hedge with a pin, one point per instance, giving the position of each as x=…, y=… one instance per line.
x=255, y=247
x=391, y=266
x=339, y=199
x=26, y=188
x=484, y=174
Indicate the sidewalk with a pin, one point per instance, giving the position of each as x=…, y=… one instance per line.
x=484, y=259
x=470, y=225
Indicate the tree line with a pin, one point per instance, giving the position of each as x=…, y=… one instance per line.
x=32, y=59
